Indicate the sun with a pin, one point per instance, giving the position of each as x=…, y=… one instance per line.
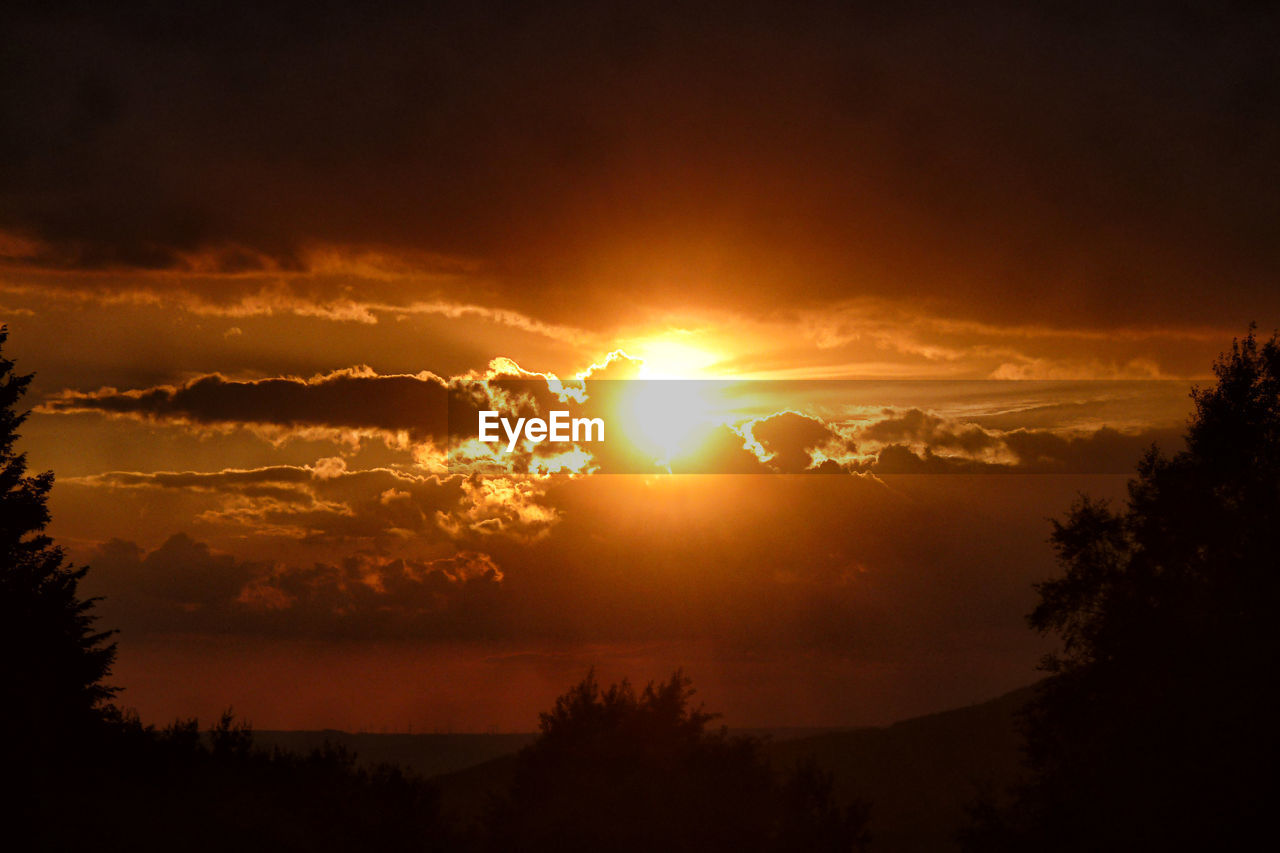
x=667, y=419
x=665, y=358
x=670, y=410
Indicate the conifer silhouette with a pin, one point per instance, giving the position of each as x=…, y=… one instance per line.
x=52, y=660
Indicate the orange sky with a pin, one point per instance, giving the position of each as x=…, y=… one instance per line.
x=242, y=250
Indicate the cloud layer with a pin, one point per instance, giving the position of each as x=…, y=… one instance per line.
x=1004, y=162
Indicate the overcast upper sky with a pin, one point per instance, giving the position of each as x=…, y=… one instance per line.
x=256, y=254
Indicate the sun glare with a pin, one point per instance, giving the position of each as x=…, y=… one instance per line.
x=668, y=414
x=669, y=359
x=667, y=419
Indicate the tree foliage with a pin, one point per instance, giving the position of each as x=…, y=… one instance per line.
x=84, y=775
x=180, y=788
x=1157, y=726
x=614, y=769
x=52, y=661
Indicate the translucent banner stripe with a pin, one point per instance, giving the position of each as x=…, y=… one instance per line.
x=887, y=427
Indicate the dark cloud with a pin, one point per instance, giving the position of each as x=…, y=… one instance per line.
x=185, y=586
x=1105, y=450
x=350, y=404
x=326, y=504
x=919, y=426
x=457, y=597
x=918, y=442
x=181, y=573
x=180, y=584
x=1003, y=160
x=356, y=399
x=789, y=438
x=901, y=459
x=281, y=482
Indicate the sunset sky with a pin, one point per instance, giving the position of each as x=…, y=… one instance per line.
x=935, y=271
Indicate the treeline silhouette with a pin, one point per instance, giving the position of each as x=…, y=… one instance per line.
x=614, y=769
x=136, y=787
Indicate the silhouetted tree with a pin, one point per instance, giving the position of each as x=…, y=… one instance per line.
x=180, y=789
x=1157, y=727
x=52, y=661
x=82, y=775
x=616, y=770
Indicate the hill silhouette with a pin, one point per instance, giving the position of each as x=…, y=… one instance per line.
x=918, y=774
x=424, y=754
